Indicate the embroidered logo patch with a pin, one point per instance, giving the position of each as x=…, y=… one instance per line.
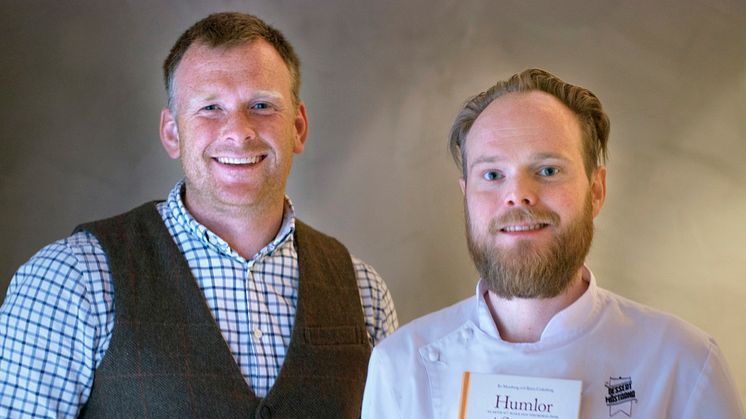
x=621, y=395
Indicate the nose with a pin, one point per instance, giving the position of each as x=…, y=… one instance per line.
x=239, y=127
x=521, y=192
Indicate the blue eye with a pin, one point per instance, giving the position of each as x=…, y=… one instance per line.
x=548, y=171
x=260, y=105
x=211, y=108
x=492, y=175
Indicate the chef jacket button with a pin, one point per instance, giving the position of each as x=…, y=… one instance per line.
x=467, y=334
x=433, y=355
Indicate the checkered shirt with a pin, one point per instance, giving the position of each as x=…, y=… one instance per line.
x=58, y=315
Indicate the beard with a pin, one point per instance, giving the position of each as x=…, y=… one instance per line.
x=527, y=270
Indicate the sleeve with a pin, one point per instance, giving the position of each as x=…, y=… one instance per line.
x=378, y=399
x=378, y=306
x=49, y=336
x=714, y=395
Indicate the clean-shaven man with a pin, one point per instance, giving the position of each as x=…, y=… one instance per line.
x=217, y=302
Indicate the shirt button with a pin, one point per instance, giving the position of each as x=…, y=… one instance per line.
x=266, y=413
x=433, y=355
x=258, y=333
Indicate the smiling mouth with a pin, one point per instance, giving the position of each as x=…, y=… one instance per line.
x=523, y=228
x=239, y=161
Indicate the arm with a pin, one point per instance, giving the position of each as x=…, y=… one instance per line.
x=378, y=307
x=49, y=332
x=378, y=399
x=714, y=395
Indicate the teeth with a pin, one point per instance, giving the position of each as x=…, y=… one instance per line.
x=513, y=229
x=231, y=160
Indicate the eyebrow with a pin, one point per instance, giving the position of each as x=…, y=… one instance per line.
x=535, y=157
x=483, y=159
x=259, y=94
x=549, y=156
x=268, y=94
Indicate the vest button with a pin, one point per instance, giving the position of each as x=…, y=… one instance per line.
x=265, y=413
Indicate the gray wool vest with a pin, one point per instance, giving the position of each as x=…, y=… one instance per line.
x=168, y=359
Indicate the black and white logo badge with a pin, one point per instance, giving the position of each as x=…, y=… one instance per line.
x=621, y=395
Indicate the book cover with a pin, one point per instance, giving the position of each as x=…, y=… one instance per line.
x=495, y=396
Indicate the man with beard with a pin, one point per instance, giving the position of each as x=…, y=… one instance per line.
x=217, y=302
x=532, y=151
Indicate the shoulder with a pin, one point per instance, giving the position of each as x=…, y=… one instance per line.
x=371, y=285
x=63, y=259
x=397, y=376
x=366, y=275
x=70, y=274
x=676, y=348
x=656, y=327
x=426, y=329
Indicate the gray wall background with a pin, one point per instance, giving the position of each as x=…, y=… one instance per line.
x=383, y=80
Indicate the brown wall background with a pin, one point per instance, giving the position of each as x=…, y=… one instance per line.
x=82, y=90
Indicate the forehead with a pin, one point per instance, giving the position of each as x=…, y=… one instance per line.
x=255, y=61
x=532, y=121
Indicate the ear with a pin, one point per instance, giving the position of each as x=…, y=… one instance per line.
x=462, y=184
x=301, y=128
x=170, y=134
x=598, y=189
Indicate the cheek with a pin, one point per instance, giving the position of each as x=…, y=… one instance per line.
x=482, y=206
x=195, y=137
x=203, y=129
x=568, y=203
x=282, y=140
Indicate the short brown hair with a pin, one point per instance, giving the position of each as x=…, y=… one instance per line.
x=593, y=120
x=230, y=29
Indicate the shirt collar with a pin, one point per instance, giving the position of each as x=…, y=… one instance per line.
x=578, y=315
x=178, y=210
x=565, y=325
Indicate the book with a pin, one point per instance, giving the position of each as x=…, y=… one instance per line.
x=495, y=396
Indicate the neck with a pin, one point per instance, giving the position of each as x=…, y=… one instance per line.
x=524, y=319
x=247, y=231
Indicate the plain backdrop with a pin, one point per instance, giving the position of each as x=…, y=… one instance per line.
x=382, y=80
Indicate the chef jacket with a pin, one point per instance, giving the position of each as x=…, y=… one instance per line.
x=674, y=369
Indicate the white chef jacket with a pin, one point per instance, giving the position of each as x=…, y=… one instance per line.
x=675, y=369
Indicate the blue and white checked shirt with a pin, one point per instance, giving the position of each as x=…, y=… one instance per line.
x=58, y=315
